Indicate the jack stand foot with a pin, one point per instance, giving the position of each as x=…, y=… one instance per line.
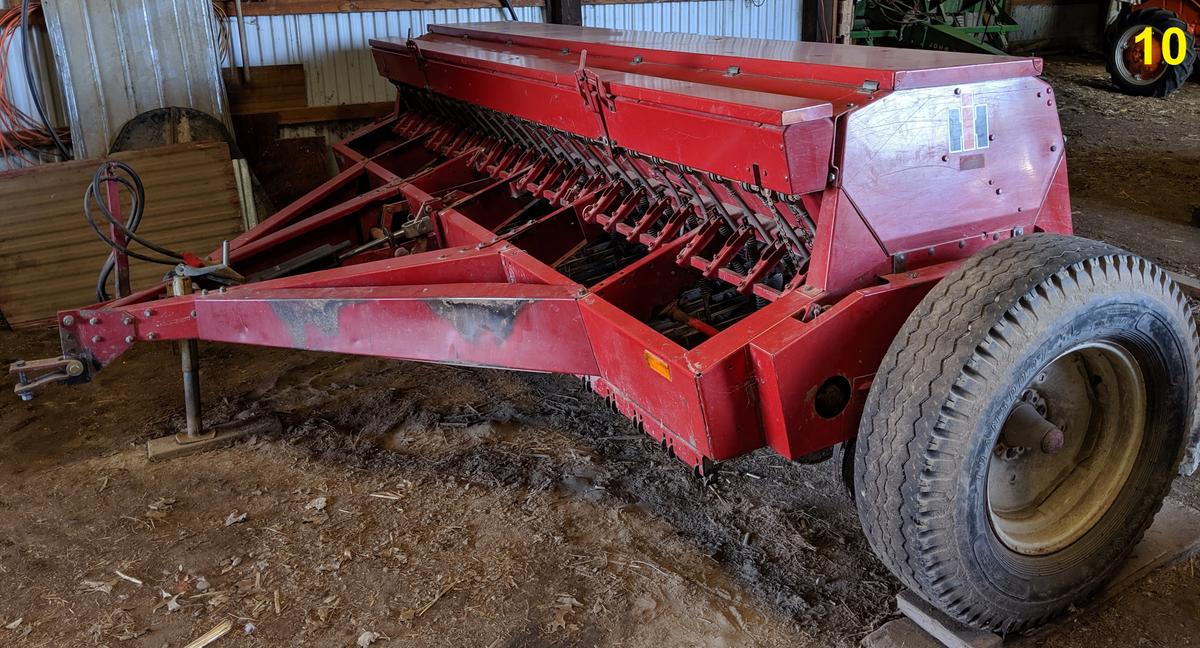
x=179, y=445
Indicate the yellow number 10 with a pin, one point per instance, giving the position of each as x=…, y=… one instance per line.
x=1174, y=45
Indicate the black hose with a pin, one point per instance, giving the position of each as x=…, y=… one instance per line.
x=133, y=184
x=511, y=12
x=33, y=86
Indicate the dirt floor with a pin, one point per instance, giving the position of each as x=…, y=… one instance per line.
x=416, y=505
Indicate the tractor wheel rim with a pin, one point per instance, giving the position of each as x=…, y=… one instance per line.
x=1131, y=60
x=1040, y=503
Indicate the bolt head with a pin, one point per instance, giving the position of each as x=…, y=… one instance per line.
x=93, y=321
x=152, y=335
x=68, y=320
x=129, y=339
x=97, y=339
x=147, y=312
x=127, y=320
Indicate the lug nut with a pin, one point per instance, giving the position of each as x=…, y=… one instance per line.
x=68, y=320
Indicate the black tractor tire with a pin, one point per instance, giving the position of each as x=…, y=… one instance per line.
x=947, y=387
x=1128, y=26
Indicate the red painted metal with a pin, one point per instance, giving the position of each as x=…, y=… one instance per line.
x=721, y=235
x=120, y=273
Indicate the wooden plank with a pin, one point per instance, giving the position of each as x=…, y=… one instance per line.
x=944, y=630
x=271, y=87
x=1173, y=538
x=1189, y=284
x=290, y=168
x=564, y=12
x=313, y=114
x=50, y=258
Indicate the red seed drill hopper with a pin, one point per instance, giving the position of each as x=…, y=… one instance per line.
x=743, y=243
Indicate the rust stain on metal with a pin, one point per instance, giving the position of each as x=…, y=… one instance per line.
x=471, y=317
x=299, y=314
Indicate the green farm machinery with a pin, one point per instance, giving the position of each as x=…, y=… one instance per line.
x=950, y=25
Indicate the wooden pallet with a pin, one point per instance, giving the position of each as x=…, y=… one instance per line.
x=50, y=258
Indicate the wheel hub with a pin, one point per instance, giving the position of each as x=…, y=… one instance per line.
x=1136, y=68
x=1042, y=495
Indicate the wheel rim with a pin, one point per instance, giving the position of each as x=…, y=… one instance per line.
x=1131, y=60
x=1040, y=502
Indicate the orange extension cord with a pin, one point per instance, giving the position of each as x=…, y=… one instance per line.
x=19, y=133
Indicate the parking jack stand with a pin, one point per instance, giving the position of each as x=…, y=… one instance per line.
x=195, y=438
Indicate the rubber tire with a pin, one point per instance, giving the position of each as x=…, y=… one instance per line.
x=1175, y=76
x=945, y=387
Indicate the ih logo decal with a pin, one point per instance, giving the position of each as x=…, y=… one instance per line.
x=968, y=126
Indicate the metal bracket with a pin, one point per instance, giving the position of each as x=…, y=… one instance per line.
x=597, y=96
x=420, y=223
x=218, y=271
x=415, y=51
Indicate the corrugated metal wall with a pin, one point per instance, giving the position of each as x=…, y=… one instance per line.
x=339, y=69
x=120, y=58
x=338, y=66
x=776, y=19
x=17, y=90
x=333, y=47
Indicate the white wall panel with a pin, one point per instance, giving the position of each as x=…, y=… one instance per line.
x=119, y=58
x=775, y=19
x=333, y=47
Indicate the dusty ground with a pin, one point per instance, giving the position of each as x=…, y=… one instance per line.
x=440, y=506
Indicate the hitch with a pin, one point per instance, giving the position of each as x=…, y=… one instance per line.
x=34, y=374
x=219, y=272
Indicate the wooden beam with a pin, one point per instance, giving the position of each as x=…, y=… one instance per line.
x=816, y=20
x=271, y=87
x=313, y=114
x=564, y=12
x=1188, y=283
